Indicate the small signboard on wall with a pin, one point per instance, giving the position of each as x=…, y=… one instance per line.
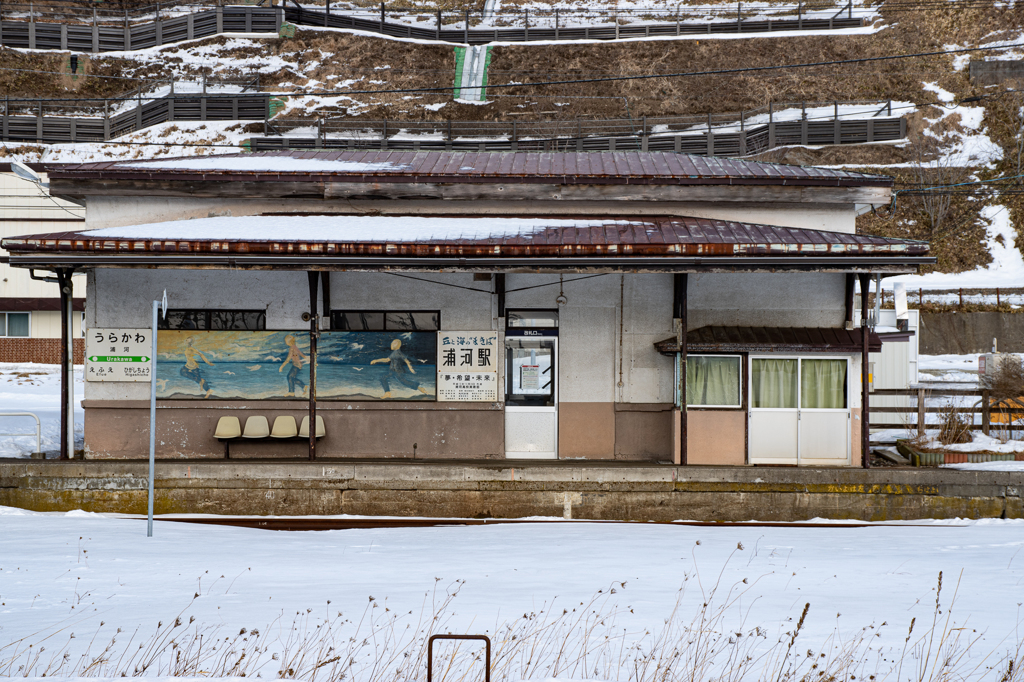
x=467, y=387
x=118, y=355
x=467, y=366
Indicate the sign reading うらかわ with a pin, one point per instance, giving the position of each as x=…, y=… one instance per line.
x=118, y=354
x=467, y=366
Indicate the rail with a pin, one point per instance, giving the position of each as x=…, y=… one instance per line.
x=72, y=27
x=38, y=432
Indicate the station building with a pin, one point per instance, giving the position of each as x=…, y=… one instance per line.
x=635, y=306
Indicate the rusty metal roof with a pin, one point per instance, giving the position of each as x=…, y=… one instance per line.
x=399, y=237
x=772, y=339
x=567, y=168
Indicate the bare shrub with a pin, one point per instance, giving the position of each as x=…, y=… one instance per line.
x=955, y=424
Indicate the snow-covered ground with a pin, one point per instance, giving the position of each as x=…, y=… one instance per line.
x=632, y=592
x=35, y=388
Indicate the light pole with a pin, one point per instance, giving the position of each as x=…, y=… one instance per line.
x=152, y=412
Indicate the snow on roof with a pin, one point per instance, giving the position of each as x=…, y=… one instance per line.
x=323, y=228
x=253, y=163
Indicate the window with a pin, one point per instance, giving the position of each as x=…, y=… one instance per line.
x=386, y=320
x=773, y=383
x=713, y=381
x=248, y=320
x=531, y=319
x=14, y=324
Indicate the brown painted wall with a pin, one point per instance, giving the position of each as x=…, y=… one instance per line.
x=643, y=431
x=45, y=351
x=586, y=430
x=716, y=437
x=119, y=429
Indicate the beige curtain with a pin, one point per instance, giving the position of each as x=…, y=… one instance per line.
x=823, y=384
x=773, y=383
x=712, y=380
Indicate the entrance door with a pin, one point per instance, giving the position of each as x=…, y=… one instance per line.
x=799, y=411
x=531, y=396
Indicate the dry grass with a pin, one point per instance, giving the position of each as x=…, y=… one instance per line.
x=706, y=638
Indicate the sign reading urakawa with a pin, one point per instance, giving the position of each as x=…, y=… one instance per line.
x=467, y=366
x=118, y=355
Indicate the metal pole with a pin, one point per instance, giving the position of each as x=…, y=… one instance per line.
x=865, y=416
x=66, y=438
x=679, y=311
x=152, y=424
x=314, y=332
x=70, y=360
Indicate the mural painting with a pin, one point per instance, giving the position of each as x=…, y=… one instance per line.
x=363, y=365
x=232, y=365
x=248, y=365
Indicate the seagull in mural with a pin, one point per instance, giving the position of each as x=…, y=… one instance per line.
x=357, y=369
x=356, y=346
x=160, y=384
x=271, y=358
x=231, y=373
x=407, y=335
x=336, y=358
x=253, y=368
x=420, y=360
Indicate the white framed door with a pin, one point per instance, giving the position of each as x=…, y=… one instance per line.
x=531, y=397
x=799, y=411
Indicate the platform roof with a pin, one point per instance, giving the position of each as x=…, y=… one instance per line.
x=468, y=243
x=640, y=168
x=772, y=339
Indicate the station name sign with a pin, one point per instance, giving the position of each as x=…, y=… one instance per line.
x=467, y=366
x=118, y=354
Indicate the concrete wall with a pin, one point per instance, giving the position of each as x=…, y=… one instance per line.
x=120, y=211
x=959, y=333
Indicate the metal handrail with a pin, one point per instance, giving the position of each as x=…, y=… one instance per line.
x=16, y=435
x=430, y=653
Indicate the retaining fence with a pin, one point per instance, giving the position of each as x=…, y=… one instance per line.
x=680, y=134
x=110, y=31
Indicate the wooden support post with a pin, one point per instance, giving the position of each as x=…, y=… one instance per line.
x=679, y=310
x=711, y=138
x=95, y=32
x=499, y=291
x=438, y=36
x=314, y=332
x=465, y=30
x=920, y=412
x=865, y=408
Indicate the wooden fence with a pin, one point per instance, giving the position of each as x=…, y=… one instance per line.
x=1007, y=416
x=111, y=33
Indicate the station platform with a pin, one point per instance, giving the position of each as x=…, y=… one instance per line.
x=505, y=489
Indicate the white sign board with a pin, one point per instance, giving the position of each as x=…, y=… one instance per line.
x=467, y=351
x=118, y=354
x=467, y=387
x=467, y=366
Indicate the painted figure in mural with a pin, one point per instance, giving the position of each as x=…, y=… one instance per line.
x=396, y=370
x=191, y=370
x=295, y=358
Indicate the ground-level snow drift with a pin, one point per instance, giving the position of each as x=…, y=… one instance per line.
x=572, y=600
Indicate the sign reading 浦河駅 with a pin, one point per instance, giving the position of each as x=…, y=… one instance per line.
x=118, y=355
x=467, y=366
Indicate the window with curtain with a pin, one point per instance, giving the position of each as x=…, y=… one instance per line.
x=713, y=381
x=773, y=383
x=823, y=384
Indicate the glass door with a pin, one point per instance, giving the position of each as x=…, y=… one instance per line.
x=531, y=398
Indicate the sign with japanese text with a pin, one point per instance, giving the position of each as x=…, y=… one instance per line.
x=467, y=351
x=467, y=387
x=118, y=355
x=467, y=366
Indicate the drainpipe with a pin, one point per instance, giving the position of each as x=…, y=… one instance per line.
x=865, y=434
